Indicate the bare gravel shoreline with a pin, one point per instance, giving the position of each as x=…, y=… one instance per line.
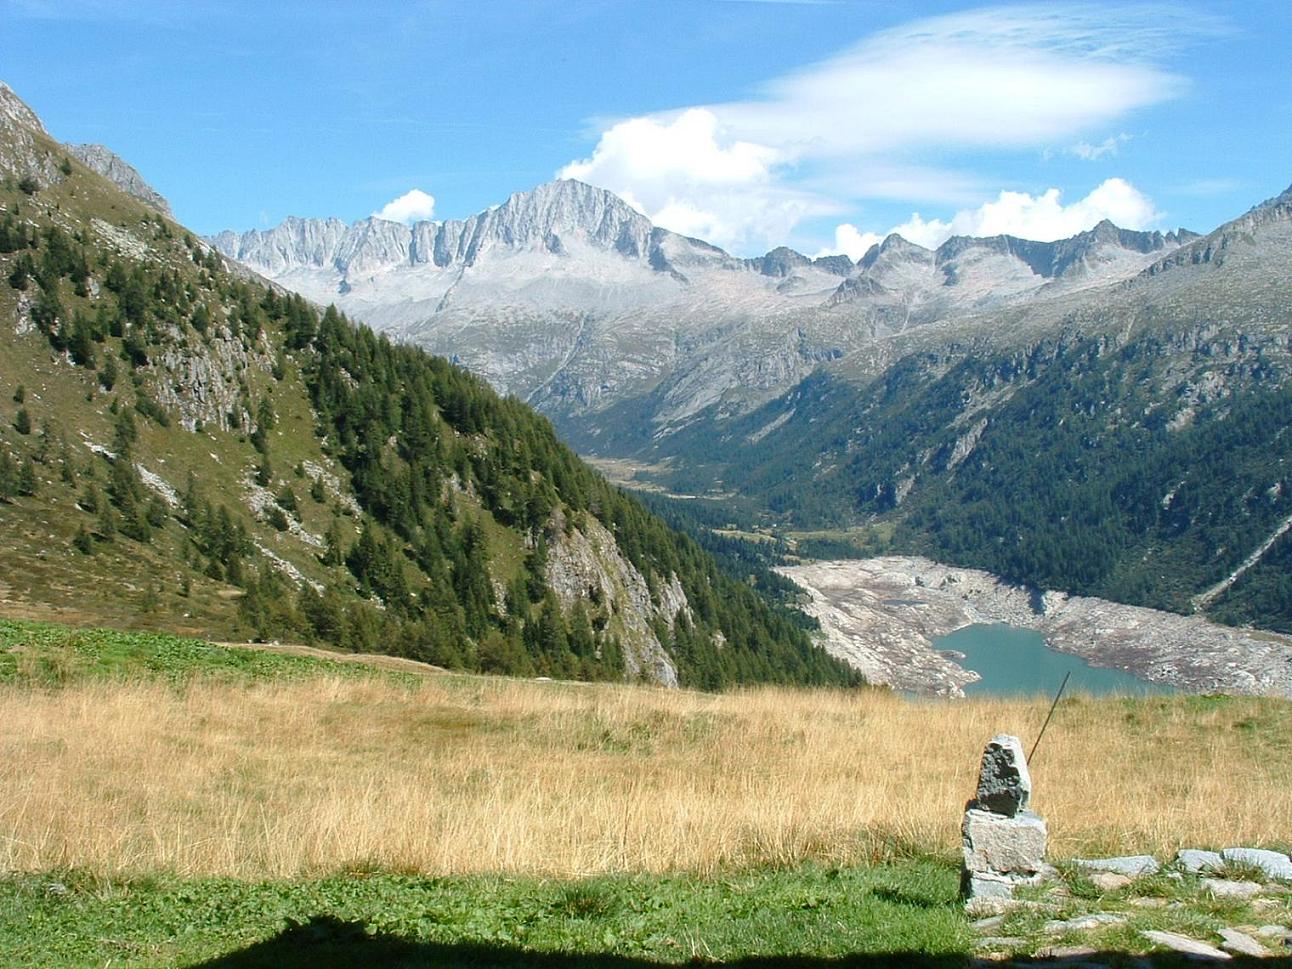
x=881, y=616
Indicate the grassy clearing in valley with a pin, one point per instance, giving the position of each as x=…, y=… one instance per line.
x=260, y=765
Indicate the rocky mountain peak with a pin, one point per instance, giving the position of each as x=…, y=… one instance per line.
x=781, y=261
x=14, y=112
x=542, y=217
x=125, y=176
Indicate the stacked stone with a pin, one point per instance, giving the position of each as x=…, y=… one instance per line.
x=1004, y=843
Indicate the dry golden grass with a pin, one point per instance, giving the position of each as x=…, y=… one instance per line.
x=455, y=775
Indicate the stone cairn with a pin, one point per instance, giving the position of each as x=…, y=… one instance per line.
x=1004, y=843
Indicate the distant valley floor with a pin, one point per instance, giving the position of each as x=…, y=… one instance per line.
x=881, y=615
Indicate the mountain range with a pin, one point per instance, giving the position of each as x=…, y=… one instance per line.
x=572, y=300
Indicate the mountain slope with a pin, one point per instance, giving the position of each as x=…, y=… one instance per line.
x=184, y=446
x=1132, y=442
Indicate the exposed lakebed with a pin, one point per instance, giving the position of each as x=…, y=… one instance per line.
x=882, y=616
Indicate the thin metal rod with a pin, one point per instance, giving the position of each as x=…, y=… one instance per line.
x=1049, y=715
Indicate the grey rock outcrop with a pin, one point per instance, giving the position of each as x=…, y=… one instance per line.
x=121, y=173
x=1194, y=861
x=1273, y=863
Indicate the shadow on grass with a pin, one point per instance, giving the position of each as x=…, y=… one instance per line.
x=325, y=942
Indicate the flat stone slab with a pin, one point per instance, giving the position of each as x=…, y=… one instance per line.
x=1132, y=866
x=994, y=844
x=1240, y=943
x=1273, y=863
x=1110, y=881
x=1182, y=943
x=1229, y=888
x=1083, y=923
x=1194, y=861
x=1004, y=785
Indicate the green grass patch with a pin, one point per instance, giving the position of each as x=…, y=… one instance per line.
x=48, y=654
x=907, y=914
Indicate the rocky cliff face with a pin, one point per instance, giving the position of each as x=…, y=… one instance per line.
x=585, y=564
x=27, y=145
x=122, y=174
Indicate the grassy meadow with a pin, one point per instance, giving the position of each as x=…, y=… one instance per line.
x=198, y=771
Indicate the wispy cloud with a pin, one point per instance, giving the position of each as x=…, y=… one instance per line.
x=818, y=139
x=1106, y=148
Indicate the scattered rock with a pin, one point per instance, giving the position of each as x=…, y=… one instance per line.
x=1109, y=881
x=988, y=924
x=1083, y=923
x=1182, y=943
x=1067, y=953
x=1149, y=902
x=1004, y=784
x=1229, y=888
x=1241, y=943
x=1001, y=942
x=1273, y=932
x=980, y=906
x=1132, y=865
x=1194, y=861
x=1273, y=863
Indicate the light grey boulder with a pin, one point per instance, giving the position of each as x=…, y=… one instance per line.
x=1194, y=861
x=1182, y=943
x=1273, y=863
x=1133, y=866
x=1227, y=888
x=1240, y=943
x=1083, y=923
x=994, y=843
x=1110, y=881
x=1004, y=784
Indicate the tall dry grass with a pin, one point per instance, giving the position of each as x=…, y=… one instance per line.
x=466, y=775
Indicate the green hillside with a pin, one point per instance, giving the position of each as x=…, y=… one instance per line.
x=186, y=448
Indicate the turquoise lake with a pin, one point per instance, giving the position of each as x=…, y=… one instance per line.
x=1016, y=662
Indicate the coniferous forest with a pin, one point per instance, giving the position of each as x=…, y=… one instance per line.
x=460, y=495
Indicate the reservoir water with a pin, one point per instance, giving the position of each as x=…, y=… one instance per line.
x=1014, y=662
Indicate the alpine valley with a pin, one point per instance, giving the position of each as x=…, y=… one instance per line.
x=1105, y=416
x=1087, y=436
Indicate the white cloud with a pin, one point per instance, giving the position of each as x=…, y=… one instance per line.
x=687, y=174
x=851, y=241
x=413, y=206
x=1043, y=218
x=821, y=138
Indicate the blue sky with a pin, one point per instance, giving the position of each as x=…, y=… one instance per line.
x=750, y=123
